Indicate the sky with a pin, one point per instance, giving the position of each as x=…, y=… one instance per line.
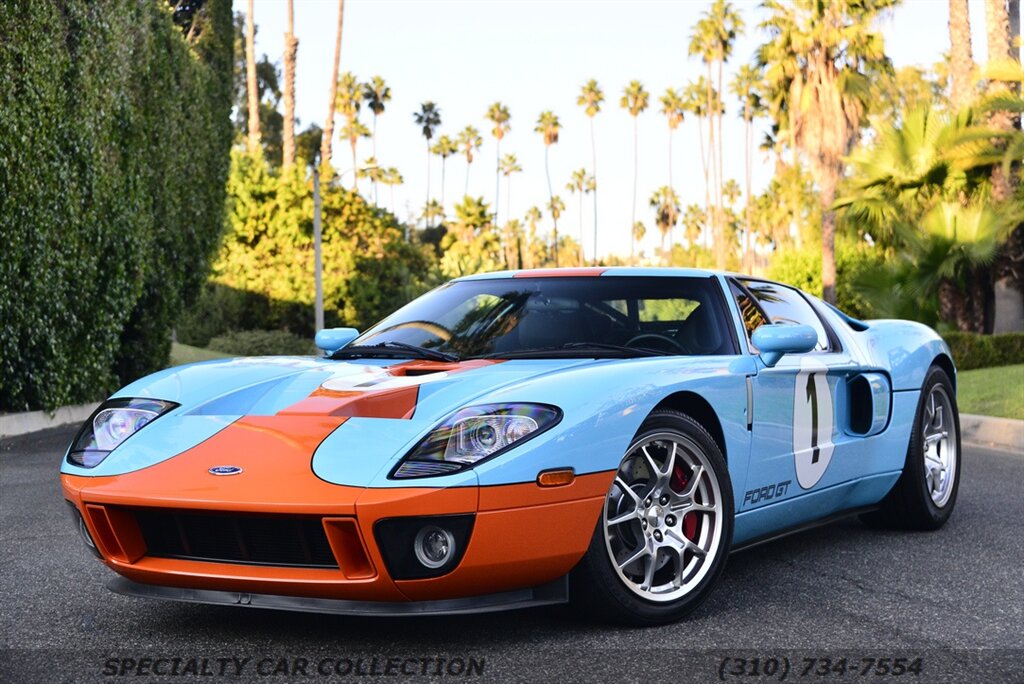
x=534, y=55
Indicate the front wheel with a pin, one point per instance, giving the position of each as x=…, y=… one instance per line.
x=924, y=496
x=665, y=527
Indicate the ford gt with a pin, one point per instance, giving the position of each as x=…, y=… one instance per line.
x=602, y=435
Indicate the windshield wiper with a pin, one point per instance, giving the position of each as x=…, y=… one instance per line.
x=574, y=347
x=393, y=349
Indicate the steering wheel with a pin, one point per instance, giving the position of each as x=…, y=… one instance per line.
x=660, y=338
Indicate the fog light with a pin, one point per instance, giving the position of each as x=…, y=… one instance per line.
x=434, y=546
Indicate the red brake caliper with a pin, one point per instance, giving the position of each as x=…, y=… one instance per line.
x=678, y=484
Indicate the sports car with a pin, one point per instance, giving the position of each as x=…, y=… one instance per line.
x=602, y=435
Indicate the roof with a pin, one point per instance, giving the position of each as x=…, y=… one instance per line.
x=595, y=271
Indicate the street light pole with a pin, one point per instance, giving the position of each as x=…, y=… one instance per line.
x=318, y=263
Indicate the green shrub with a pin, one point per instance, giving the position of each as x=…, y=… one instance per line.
x=971, y=350
x=802, y=269
x=114, y=141
x=262, y=343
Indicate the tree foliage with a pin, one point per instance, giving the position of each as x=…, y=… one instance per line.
x=114, y=137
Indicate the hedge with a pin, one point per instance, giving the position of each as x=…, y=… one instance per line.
x=971, y=350
x=262, y=343
x=114, y=142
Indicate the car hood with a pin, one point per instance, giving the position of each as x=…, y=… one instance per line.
x=369, y=411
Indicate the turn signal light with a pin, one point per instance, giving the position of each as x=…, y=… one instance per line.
x=556, y=478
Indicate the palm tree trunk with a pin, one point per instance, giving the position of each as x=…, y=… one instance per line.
x=707, y=186
x=332, y=92
x=291, y=47
x=670, y=183
x=593, y=157
x=749, y=162
x=465, y=191
x=636, y=170
x=250, y=79
x=997, y=25
x=355, y=170
x=426, y=221
x=720, y=259
x=961, y=63
x=508, y=197
x=497, y=178
x=551, y=197
x=581, y=227
x=444, y=212
x=828, y=181
x=373, y=143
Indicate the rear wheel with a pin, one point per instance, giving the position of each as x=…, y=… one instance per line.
x=665, y=527
x=924, y=496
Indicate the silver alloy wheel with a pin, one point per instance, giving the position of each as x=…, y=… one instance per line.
x=663, y=517
x=938, y=434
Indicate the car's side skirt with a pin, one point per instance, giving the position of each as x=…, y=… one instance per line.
x=547, y=594
x=802, y=527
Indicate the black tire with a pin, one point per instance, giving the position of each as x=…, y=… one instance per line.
x=910, y=504
x=597, y=587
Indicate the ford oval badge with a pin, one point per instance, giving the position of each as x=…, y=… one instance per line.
x=225, y=470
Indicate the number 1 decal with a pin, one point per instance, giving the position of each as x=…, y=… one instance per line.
x=812, y=422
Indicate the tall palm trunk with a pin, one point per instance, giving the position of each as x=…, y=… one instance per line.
x=444, y=212
x=497, y=179
x=828, y=180
x=355, y=171
x=593, y=159
x=465, y=190
x=373, y=143
x=713, y=209
x=291, y=47
x=721, y=255
x=636, y=170
x=508, y=197
x=551, y=197
x=961, y=63
x=426, y=221
x=581, y=227
x=707, y=184
x=332, y=92
x=748, y=142
x=997, y=24
x=250, y=80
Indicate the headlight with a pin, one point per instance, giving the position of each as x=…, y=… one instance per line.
x=114, y=422
x=473, y=434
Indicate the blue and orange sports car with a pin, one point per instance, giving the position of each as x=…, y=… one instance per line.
x=519, y=438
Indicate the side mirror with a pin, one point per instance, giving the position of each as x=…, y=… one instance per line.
x=331, y=340
x=774, y=341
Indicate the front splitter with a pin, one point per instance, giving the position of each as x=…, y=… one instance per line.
x=547, y=594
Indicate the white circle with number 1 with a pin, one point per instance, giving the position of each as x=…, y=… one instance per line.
x=813, y=419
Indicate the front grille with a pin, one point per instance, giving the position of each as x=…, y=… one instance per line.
x=295, y=541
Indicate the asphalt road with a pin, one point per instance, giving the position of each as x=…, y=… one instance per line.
x=953, y=598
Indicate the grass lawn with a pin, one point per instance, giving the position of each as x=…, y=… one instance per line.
x=992, y=391
x=183, y=353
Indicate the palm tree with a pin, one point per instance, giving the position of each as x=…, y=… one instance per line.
x=693, y=221
x=673, y=106
x=428, y=119
x=376, y=93
x=746, y=86
x=431, y=210
x=372, y=170
x=327, y=139
x=638, y=232
x=498, y=115
x=548, y=126
x=665, y=203
x=291, y=47
x=508, y=166
x=253, y=141
x=961, y=61
x=634, y=100
x=694, y=101
x=556, y=206
x=444, y=148
x=581, y=183
x=469, y=140
x=712, y=40
x=819, y=60
x=391, y=177
x=349, y=102
x=997, y=25
x=590, y=98
x=533, y=217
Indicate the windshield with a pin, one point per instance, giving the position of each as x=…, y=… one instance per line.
x=563, y=316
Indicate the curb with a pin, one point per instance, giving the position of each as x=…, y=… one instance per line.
x=14, y=424
x=999, y=433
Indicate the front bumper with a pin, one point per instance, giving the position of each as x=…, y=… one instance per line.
x=522, y=536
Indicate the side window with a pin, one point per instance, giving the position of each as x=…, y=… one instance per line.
x=784, y=305
x=752, y=316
